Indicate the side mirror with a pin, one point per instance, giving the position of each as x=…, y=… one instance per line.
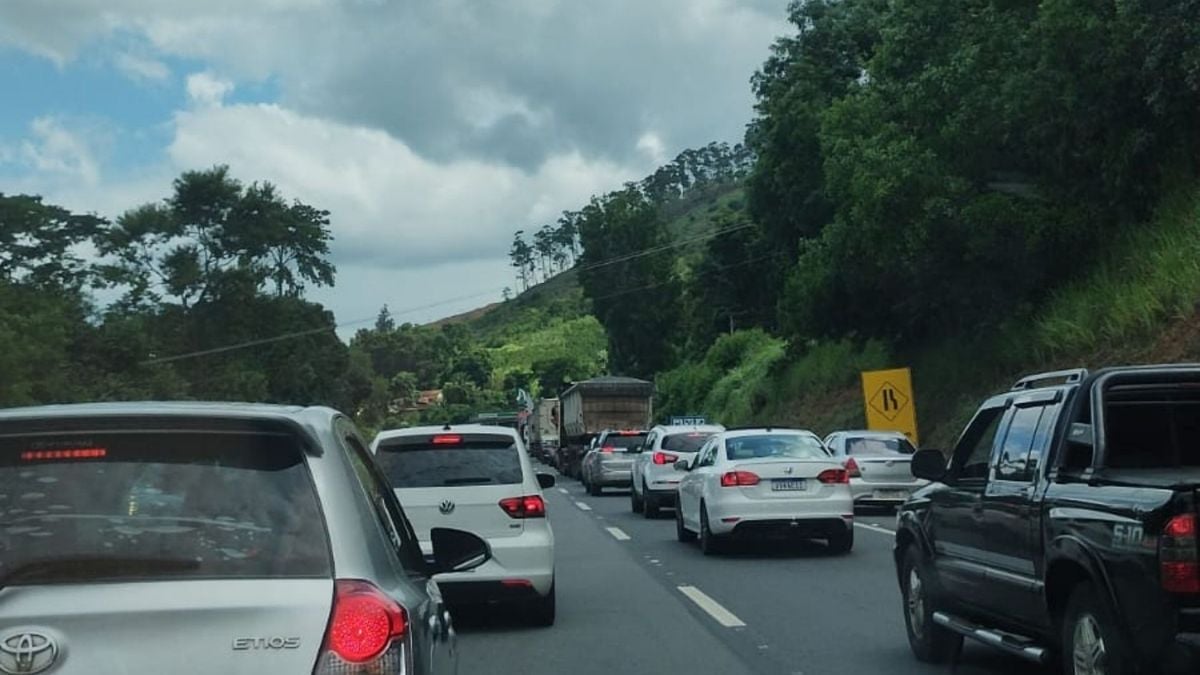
x=457, y=551
x=545, y=480
x=929, y=464
x=682, y=465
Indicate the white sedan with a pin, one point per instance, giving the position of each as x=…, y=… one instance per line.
x=764, y=482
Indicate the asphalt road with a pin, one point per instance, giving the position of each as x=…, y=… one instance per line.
x=632, y=599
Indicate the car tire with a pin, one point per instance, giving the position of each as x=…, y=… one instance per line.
x=635, y=501
x=650, y=506
x=542, y=609
x=930, y=642
x=842, y=543
x=710, y=544
x=1091, y=637
x=594, y=490
x=682, y=533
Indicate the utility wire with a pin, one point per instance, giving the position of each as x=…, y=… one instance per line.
x=439, y=303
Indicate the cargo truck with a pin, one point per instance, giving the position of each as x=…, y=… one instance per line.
x=592, y=406
x=543, y=430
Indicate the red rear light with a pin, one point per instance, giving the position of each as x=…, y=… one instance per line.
x=852, y=468
x=834, y=476
x=607, y=448
x=1178, y=560
x=529, y=506
x=447, y=439
x=71, y=453
x=364, y=623
x=664, y=458
x=739, y=479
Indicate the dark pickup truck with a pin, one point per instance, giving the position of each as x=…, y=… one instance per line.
x=1063, y=526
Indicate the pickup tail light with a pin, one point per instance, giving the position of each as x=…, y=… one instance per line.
x=852, y=469
x=834, y=476
x=739, y=479
x=529, y=506
x=1177, y=555
x=366, y=631
x=661, y=458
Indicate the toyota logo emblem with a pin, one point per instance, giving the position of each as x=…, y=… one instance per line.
x=26, y=652
x=446, y=507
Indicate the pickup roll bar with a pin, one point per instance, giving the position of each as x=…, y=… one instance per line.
x=1070, y=376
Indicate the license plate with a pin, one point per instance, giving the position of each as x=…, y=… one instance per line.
x=788, y=484
x=891, y=494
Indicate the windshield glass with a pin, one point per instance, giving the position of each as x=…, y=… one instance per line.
x=689, y=442
x=157, y=506
x=791, y=446
x=473, y=462
x=874, y=446
x=623, y=442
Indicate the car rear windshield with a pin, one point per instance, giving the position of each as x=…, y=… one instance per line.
x=157, y=505
x=623, y=442
x=1152, y=427
x=878, y=447
x=791, y=446
x=689, y=442
x=472, y=460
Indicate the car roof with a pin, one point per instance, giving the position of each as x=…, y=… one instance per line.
x=447, y=429
x=760, y=431
x=869, y=433
x=683, y=428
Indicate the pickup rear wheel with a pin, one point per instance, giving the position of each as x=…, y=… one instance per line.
x=1091, y=640
x=929, y=641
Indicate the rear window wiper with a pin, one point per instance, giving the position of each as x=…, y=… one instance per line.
x=88, y=568
x=469, y=480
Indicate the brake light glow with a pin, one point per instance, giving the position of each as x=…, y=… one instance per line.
x=1179, y=564
x=529, y=506
x=852, y=468
x=661, y=458
x=834, y=476
x=72, y=453
x=607, y=448
x=364, y=622
x=739, y=479
x=447, y=439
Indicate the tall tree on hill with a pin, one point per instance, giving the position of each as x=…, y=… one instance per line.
x=521, y=254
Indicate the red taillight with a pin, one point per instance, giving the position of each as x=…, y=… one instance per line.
x=739, y=479
x=1178, y=560
x=664, y=458
x=852, y=469
x=834, y=476
x=447, y=439
x=607, y=448
x=364, y=622
x=529, y=506
x=72, y=453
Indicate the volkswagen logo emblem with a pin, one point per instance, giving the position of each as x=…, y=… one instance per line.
x=446, y=507
x=787, y=469
x=24, y=652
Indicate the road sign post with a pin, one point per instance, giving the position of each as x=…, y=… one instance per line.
x=889, y=403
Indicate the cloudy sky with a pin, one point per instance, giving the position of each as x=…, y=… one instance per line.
x=431, y=129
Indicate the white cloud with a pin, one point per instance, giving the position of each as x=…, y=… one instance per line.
x=653, y=147
x=206, y=89
x=55, y=150
x=141, y=68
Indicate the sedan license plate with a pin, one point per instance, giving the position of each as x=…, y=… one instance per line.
x=788, y=484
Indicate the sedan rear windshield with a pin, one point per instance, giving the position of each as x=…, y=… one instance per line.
x=689, y=442
x=157, y=505
x=878, y=447
x=791, y=446
x=623, y=442
x=421, y=463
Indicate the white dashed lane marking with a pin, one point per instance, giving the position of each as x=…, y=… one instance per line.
x=617, y=533
x=583, y=507
x=875, y=528
x=711, y=607
x=565, y=491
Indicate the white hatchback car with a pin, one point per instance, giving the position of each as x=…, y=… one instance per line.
x=765, y=481
x=655, y=480
x=479, y=479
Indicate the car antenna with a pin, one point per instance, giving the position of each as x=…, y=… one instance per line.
x=447, y=427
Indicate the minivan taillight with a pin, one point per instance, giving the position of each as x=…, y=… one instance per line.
x=661, y=458
x=529, y=506
x=1177, y=556
x=366, y=631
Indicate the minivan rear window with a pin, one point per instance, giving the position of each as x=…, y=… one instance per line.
x=689, y=442
x=472, y=460
x=157, y=506
x=878, y=447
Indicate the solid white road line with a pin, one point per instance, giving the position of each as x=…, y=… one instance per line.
x=583, y=507
x=875, y=528
x=711, y=607
x=617, y=533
